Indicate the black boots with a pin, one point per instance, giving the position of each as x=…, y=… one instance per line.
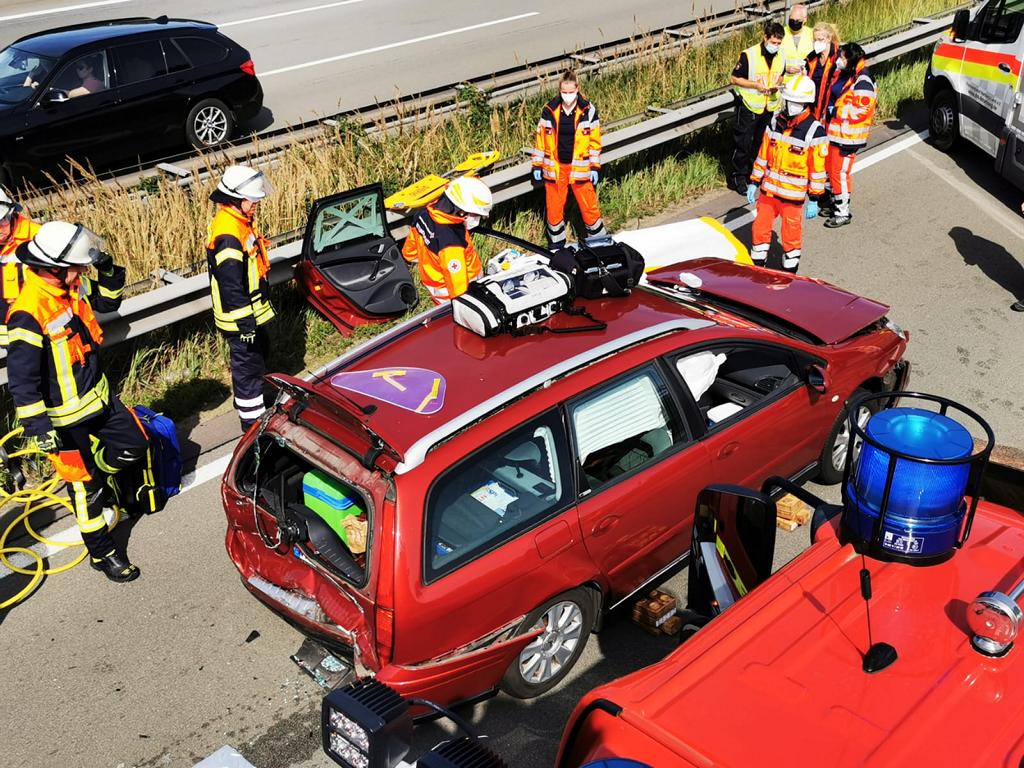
x=116, y=567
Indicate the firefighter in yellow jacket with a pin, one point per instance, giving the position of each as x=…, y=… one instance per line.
x=236, y=256
x=15, y=230
x=439, y=240
x=790, y=171
x=567, y=155
x=60, y=393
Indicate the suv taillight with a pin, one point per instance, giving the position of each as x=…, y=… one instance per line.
x=385, y=620
x=248, y=67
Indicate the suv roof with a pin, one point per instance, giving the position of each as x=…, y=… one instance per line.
x=480, y=375
x=57, y=42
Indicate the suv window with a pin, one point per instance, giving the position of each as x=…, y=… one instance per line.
x=496, y=493
x=999, y=22
x=726, y=380
x=139, y=62
x=201, y=51
x=624, y=426
x=83, y=76
x=176, y=61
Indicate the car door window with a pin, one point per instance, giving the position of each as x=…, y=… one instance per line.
x=498, y=492
x=139, y=62
x=84, y=75
x=998, y=23
x=725, y=381
x=21, y=73
x=201, y=51
x=176, y=61
x=624, y=426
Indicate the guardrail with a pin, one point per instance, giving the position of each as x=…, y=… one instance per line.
x=188, y=297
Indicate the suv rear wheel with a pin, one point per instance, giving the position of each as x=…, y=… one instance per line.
x=209, y=123
x=541, y=665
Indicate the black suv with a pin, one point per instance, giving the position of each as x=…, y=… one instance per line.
x=113, y=91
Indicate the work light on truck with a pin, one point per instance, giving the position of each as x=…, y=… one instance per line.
x=366, y=725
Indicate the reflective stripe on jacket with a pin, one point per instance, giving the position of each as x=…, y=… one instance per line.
x=439, y=242
x=236, y=257
x=586, y=150
x=53, y=366
x=852, y=111
x=821, y=68
x=793, y=54
x=761, y=72
x=791, y=162
x=23, y=229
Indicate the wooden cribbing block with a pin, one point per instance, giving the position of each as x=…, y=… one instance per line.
x=789, y=507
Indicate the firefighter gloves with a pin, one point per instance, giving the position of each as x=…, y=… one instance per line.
x=49, y=442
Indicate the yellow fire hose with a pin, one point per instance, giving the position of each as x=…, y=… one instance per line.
x=42, y=496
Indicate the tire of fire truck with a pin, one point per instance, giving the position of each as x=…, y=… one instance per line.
x=568, y=620
x=833, y=453
x=944, y=120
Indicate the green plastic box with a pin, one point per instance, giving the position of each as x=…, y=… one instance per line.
x=331, y=499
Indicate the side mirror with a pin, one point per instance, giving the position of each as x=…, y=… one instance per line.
x=54, y=96
x=818, y=378
x=733, y=546
x=961, y=19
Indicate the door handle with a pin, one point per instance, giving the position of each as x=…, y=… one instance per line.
x=605, y=524
x=1004, y=67
x=728, y=450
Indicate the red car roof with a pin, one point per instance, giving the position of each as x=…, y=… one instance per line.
x=814, y=306
x=398, y=376
x=777, y=679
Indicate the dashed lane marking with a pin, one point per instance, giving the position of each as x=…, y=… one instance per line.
x=62, y=9
x=311, y=9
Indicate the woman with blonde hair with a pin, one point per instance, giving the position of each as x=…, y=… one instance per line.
x=821, y=65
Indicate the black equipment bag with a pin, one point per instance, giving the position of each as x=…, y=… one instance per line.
x=600, y=270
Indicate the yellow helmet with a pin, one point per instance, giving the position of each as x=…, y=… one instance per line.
x=471, y=195
x=799, y=89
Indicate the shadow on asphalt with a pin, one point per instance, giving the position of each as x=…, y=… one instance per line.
x=995, y=262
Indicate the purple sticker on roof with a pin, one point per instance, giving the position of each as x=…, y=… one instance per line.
x=415, y=389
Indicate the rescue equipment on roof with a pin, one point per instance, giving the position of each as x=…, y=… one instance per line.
x=600, y=269
x=904, y=489
x=526, y=293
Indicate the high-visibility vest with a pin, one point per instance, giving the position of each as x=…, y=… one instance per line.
x=238, y=264
x=791, y=162
x=53, y=366
x=761, y=72
x=822, y=70
x=853, y=111
x=586, y=150
x=11, y=270
x=795, y=54
x=440, y=244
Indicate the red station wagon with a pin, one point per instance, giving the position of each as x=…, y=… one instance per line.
x=499, y=495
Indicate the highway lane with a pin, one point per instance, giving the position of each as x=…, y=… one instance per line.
x=159, y=672
x=317, y=57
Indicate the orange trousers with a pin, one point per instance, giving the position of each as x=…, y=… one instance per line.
x=768, y=209
x=840, y=167
x=555, y=194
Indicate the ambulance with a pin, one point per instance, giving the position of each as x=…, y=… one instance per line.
x=973, y=85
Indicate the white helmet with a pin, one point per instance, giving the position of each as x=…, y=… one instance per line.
x=244, y=183
x=799, y=89
x=471, y=195
x=7, y=204
x=62, y=244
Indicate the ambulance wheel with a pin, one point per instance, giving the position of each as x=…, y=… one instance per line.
x=833, y=454
x=944, y=121
x=567, y=621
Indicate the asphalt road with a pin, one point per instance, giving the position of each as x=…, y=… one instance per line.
x=319, y=57
x=164, y=671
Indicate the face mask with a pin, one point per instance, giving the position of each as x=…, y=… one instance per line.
x=568, y=98
x=794, y=108
x=820, y=46
x=472, y=221
x=840, y=63
x=795, y=26
x=771, y=48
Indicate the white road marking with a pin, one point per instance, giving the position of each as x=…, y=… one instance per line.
x=62, y=9
x=222, y=25
x=205, y=473
x=399, y=44
x=225, y=757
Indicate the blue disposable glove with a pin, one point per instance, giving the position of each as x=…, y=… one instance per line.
x=593, y=178
x=811, y=209
x=536, y=175
x=751, y=193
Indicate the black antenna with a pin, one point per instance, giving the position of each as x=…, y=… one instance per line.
x=879, y=655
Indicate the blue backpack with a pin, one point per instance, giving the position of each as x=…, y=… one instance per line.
x=163, y=443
